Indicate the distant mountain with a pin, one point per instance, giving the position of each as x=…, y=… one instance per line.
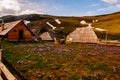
x=110, y=22
x=29, y=17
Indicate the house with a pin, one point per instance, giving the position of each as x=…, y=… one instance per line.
x=83, y=35
x=48, y=36
x=15, y=31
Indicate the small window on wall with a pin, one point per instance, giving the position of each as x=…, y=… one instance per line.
x=14, y=30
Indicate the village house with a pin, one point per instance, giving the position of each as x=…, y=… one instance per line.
x=15, y=31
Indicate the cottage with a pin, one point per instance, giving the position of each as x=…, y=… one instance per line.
x=83, y=35
x=15, y=31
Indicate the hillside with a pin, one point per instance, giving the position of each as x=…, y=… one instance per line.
x=110, y=22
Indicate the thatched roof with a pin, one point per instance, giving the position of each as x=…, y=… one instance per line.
x=85, y=35
x=47, y=36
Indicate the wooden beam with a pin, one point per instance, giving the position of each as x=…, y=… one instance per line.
x=0, y=55
x=0, y=77
x=6, y=72
x=0, y=61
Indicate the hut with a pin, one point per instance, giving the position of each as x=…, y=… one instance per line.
x=48, y=36
x=83, y=35
x=15, y=31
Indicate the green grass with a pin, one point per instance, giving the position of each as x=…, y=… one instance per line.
x=74, y=77
x=63, y=61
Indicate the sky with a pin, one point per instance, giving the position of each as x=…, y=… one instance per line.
x=59, y=7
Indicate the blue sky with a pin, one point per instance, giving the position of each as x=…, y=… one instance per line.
x=59, y=7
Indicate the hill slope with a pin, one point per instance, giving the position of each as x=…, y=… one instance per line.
x=110, y=22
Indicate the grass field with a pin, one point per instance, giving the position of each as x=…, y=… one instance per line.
x=76, y=61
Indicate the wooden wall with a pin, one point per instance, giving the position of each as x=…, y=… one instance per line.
x=13, y=35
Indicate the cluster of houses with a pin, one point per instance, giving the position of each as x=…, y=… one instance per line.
x=18, y=31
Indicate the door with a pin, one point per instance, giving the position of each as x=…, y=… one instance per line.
x=20, y=34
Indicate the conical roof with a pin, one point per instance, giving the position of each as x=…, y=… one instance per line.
x=85, y=35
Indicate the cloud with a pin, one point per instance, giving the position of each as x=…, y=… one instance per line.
x=31, y=8
x=96, y=4
x=112, y=6
x=118, y=5
x=10, y=11
x=30, y=12
x=102, y=10
x=18, y=7
x=9, y=6
x=110, y=1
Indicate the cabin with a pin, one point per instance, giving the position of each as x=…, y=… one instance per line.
x=83, y=35
x=15, y=31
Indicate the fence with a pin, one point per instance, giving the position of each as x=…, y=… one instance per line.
x=6, y=72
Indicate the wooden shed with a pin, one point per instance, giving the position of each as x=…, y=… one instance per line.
x=15, y=31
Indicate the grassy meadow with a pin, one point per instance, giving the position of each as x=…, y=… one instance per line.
x=76, y=61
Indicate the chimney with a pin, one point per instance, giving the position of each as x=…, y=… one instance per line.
x=2, y=25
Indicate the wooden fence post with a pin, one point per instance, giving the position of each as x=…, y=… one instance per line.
x=0, y=55
x=0, y=61
x=4, y=69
